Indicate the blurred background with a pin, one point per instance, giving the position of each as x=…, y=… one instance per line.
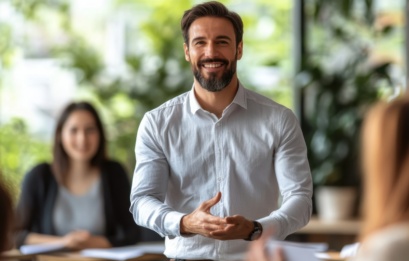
x=326, y=60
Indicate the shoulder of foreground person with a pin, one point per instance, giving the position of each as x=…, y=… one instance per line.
x=390, y=243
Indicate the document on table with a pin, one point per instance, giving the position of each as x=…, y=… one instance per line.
x=124, y=253
x=297, y=251
x=41, y=248
x=350, y=249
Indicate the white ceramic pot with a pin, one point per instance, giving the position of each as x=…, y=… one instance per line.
x=335, y=203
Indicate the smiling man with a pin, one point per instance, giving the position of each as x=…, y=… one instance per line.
x=213, y=162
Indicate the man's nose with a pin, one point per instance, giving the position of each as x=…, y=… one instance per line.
x=211, y=50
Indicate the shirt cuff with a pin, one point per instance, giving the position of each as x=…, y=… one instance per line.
x=270, y=223
x=172, y=223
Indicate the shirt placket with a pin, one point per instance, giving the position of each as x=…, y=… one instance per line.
x=219, y=163
x=218, y=137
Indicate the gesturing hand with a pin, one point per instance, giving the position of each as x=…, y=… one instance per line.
x=201, y=222
x=237, y=227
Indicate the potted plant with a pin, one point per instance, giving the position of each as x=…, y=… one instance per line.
x=340, y=80
x=336, y=99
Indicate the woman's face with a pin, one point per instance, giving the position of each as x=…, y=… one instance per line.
x=80, y=136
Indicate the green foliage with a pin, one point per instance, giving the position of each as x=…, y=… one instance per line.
x=340, y=82
x=155, y=69
x=19, y=152
x=6, y=49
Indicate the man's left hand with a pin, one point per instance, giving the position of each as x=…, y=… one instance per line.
x=237, y=227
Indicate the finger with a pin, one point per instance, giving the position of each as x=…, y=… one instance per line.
x=267, y=234
x=205, y=206
x=212, y=228
x=278, y=255
x=236, y=219
x=209, y=218
x=257, y=251
x=212, y=223
x=255, y=254
x=226, y=228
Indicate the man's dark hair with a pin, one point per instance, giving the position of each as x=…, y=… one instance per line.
x=61, y=158
x=214, y=9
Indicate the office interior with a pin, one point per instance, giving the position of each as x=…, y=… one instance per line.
x=326, y=60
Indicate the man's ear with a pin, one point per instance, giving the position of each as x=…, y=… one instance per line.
x=186, y=48
x=239, y=50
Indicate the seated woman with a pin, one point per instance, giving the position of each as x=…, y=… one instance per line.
x=385, y=158
x=81, y=199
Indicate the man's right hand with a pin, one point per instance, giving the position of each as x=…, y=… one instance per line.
x=200, y=221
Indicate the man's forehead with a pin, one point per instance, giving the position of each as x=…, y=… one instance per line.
x=211, y=26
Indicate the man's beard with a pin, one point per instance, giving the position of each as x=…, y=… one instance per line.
x=213, y=83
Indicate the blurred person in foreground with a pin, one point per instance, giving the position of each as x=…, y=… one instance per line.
x=385, y=158
x=81, y=199
x=212, y=162
x=6, y=217
x=385, y=234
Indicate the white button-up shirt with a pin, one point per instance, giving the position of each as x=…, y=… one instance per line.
x=253, y=154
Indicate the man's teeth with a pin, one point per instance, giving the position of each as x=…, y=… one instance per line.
x=212, y=65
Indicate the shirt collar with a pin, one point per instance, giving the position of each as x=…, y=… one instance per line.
x=194, y=104
x=239, y=99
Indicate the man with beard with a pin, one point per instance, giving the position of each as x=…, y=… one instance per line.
x=212, y=162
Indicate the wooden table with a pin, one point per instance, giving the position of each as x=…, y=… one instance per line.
x=331, y=256
x=336, y=233
x=337, y=227
x=15, y=255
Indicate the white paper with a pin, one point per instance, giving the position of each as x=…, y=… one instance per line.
x=322, y=255
x=295, y=251
x=349, y=250
x=41, y=248
x=124, y=253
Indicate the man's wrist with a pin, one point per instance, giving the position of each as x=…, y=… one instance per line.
x=255, y=232
x=182, y=227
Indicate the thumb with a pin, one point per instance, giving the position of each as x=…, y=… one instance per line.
x=211, y=202
x=278, y=254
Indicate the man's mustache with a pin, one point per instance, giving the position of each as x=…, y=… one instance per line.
x=217, y=60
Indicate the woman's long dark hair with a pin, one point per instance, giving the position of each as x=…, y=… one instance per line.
x=60, y=162
x=6, y=216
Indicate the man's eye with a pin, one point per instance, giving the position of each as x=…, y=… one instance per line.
x=222, y=42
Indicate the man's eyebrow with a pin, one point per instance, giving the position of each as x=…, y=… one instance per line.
x=198, y=38
x=225, y=37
